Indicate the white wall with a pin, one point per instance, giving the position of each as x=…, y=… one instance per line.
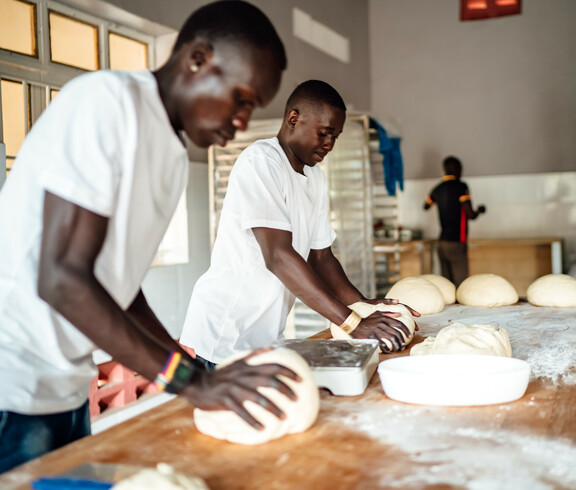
x=519, y=206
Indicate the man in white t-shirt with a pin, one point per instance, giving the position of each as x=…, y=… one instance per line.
x=87, y=202
x=274, y=241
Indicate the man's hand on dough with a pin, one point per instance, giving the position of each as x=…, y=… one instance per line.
x=383, y=325
x=389, y=301
x=229, y=387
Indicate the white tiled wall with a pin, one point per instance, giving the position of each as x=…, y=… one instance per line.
x=518, y=206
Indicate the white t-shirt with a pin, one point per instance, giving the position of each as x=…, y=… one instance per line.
x=238, y=304
x=105, y=143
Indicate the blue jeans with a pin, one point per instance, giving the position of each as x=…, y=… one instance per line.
x=209, y=365
x=25, y=437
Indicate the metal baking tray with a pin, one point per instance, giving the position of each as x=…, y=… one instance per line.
x=343, y=367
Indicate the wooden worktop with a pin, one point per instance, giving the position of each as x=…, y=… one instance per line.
x=370, y=441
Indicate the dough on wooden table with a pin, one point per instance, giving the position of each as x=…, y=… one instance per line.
x=558, y=290
x=446, y=287
x=163, y=477
x=419, y=294
x=466, y=339
x=366, y=309
x=300, y=413
x=486, y=290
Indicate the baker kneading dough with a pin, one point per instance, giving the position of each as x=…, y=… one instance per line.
x=467, y=339
x=486, y=290
x=366, y=309
x=558, y=290
x=162, y=478
x=300, y=413
x=419, y=294
x=446, y=287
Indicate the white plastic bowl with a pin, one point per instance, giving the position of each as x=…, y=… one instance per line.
x=454, y=380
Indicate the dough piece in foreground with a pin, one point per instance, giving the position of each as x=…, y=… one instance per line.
x=558, y=290
x=467, y=339
x=486, y=290
x=419, y=294
x=163, y=477
x=366, y=309
x=300, y=413
x=446, y=287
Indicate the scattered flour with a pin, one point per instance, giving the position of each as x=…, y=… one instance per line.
x=475, y=459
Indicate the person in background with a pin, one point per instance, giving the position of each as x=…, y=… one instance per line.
x=452, y=198
x=274, y=241
x=88, y=200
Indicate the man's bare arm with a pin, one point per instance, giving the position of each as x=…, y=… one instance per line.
x=297, y=275
x=72, y=238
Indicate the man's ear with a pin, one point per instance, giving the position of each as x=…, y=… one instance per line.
x=292, y=118
x=200, y=54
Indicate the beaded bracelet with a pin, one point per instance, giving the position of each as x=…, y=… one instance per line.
x=176, y=374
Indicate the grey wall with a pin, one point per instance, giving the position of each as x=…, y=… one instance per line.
x=347, y=17
x=500, y=94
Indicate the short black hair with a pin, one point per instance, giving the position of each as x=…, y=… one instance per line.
x=317, y=92
x=452, y=166
x=233, y=20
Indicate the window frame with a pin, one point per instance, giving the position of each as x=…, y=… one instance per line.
x=41, y=71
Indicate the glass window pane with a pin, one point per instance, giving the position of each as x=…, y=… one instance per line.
x=53, y=93
x=13, y=116
x=18, y=27
x=73, y=42
x=126, y=53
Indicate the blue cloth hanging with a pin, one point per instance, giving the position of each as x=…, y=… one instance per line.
x=392, y=162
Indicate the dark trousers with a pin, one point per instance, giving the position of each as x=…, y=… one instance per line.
x=25, y=437
x=453, y=260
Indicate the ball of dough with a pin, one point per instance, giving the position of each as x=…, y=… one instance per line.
x=419, y=294
x=557, y=290
x=300, y=413
x=366, y=309
x=467, y=339
x=486, y=290
x=446, y=287
x=163, y=477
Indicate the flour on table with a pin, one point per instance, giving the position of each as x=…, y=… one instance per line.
x=486, y=290
x=366, y=309
x=419, y=294
x=163, y=477
x=557, y=290
x=300, y=413
x=466, y=339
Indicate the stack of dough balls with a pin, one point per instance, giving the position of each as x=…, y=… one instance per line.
x=446, y=287
x=466, y=339
x=486, y=290
x=300, y=413
x=418, y=293
x=557, y=290
x=366, y=309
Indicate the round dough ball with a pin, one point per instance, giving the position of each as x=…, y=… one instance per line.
x=300, y=413
x=419, y=294
x=446, y=287
x=486, y=290
x=467, y=339
x=163, y=477
x=366, y=309
x=557, y=290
